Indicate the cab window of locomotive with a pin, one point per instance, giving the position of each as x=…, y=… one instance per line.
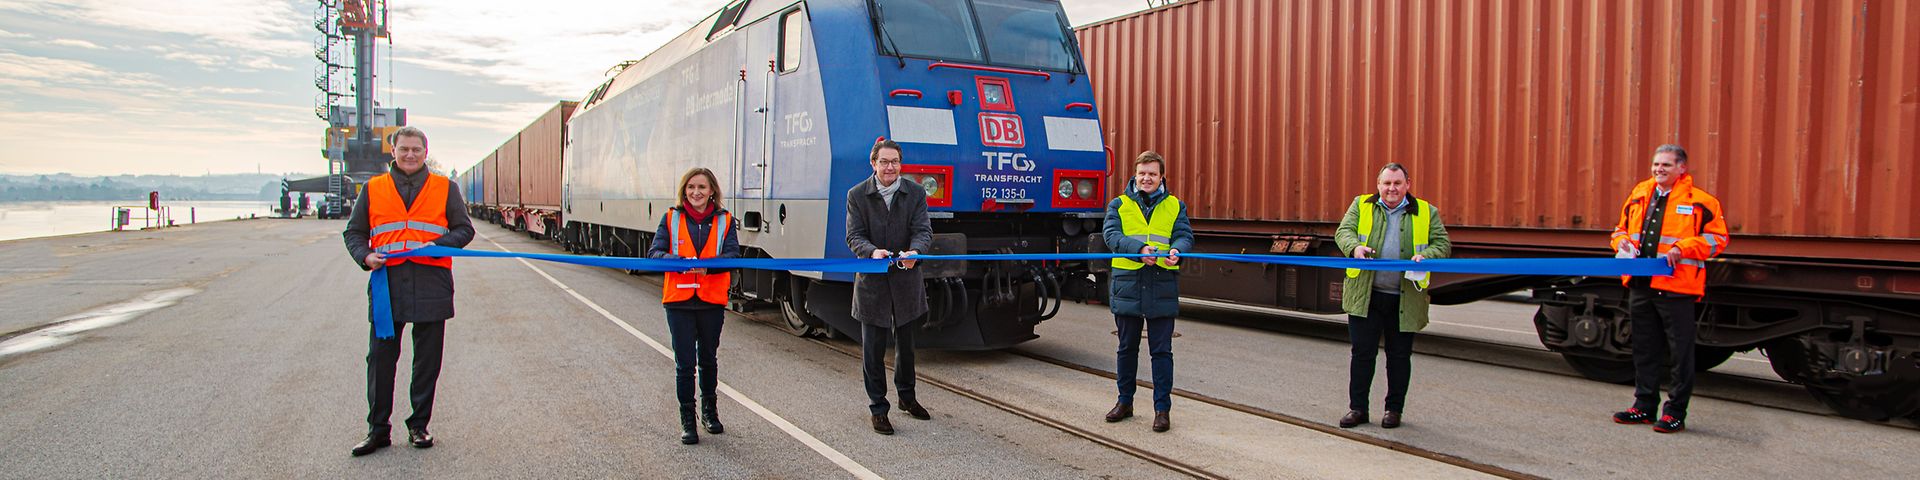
x=1025, y=33
x=941, y=29
x=791, y=27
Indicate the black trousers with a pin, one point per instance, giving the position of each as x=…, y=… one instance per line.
x=384, y=355
x=1664, y=329
x=873, y=368
x=1382, y=320
x=696, y=340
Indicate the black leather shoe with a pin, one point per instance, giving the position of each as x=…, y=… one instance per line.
x=1160, y=422
x=1390, y=420
x=710, y=417
x=1121, y=411
x=689, y=433
x=373, y=442
x=881, y=425
x=419, y=437
x=914, y=410
x=1353, y=419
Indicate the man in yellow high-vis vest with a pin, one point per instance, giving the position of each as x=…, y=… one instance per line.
x=1392, y=225
x=1146, y=291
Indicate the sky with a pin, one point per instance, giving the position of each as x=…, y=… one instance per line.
x=191, y=87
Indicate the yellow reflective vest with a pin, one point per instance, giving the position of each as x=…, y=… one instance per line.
x=1421, y=234
x=1157, y=232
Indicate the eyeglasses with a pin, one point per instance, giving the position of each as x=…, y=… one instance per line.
x=888, y=162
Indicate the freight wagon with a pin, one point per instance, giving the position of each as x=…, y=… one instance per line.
x=782, y=99
x=1527, y=124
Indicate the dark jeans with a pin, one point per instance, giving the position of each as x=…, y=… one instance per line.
x=873, y=366
x=383, y=357
x=1382, y=320
x=1160, y=351
x=1663, y=334
x=696, y=338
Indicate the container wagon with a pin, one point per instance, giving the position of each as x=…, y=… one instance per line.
x=782, y=99
x=1527, y=124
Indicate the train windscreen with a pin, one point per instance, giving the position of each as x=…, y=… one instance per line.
x=1016, y=33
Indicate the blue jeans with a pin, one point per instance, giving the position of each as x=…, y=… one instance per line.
x=1160, y=347
x=696, y=339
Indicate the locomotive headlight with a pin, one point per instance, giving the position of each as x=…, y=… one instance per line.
x=1066, y=189
x=1085, y=188
x=931, y=183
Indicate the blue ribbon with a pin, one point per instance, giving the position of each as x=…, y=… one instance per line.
x=382, y=304
x=1594, y=267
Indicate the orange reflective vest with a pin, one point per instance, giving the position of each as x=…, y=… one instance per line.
x=1693, y=223
x=396, y=227
x=710, y=287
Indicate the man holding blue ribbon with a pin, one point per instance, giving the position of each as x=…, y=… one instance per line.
x=887, y=219
x=1391, y=224
x=406, y=208
x=1145, y=293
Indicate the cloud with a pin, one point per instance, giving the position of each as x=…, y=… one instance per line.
x=27, y=70
x=7, y=34
x=68, y=42
x=553, y=52
x=212, y=62
x=274, y=27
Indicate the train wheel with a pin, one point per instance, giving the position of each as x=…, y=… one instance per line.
x=1851, y=403
x=1601, y=369
x=793, y=309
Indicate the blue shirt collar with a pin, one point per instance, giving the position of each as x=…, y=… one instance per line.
x=1383, y=203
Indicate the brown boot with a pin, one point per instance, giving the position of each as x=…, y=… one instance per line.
x=1120, y=412
x=1353, y=419
x=881, y=425
x=1160, y=422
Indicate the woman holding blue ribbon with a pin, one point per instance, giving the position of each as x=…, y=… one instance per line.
x=696, y=298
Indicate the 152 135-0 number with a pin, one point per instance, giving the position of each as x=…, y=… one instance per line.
x=1003, y=193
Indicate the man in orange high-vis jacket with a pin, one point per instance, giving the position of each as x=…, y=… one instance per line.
x=406, y=208
x=1666, y=216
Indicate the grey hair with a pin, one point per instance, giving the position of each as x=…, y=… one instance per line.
x=1396, y=166
x=1679, y=154
x=410, y=131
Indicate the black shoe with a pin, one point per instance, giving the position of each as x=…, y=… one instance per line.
x=1121, y=411
x=1160, y=422
x=1390, y=420
x=916, y=411
x=1668, y=424
x=1353, y=419
x=419, y=437
x=689, y=433
x=1633, y=416
x=881, y=425
x=710, y=416
x=373, y=442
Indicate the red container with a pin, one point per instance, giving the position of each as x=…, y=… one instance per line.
x=491, y=180
x=508, y=156
x=540, y=167
x=1527, y=122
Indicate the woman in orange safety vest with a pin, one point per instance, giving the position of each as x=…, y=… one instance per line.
x=696, y=299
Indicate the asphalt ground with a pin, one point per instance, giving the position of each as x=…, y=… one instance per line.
x=258, y=371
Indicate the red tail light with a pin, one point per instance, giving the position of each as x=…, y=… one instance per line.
x=1081, y=189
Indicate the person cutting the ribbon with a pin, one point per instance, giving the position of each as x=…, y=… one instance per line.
x=1145, y=292
x=1391, y=224
x=406, y=208
x=696, y=299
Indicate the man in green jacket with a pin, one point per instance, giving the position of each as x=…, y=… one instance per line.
x=1390, y=225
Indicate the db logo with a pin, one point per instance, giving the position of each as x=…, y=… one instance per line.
x=1001, y=130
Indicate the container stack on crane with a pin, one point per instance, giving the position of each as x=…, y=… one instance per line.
x=354, y=154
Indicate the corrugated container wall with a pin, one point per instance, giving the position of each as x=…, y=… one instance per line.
x=491, y=178
x=540, y=168
x=508, y=156
x=1801, y=116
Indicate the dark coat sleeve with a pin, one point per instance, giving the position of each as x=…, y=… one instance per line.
x=859, y=234
x=357, y=234
x=922, y=240
x=660, y=247
x=459, y=227
x=1116, y=238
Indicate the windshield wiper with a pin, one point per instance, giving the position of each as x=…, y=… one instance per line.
x=880, y=26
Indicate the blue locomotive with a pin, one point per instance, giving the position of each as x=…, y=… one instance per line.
x=782, y=99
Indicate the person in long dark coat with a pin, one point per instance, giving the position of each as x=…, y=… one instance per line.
x=887, y=218
x=421, y=295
